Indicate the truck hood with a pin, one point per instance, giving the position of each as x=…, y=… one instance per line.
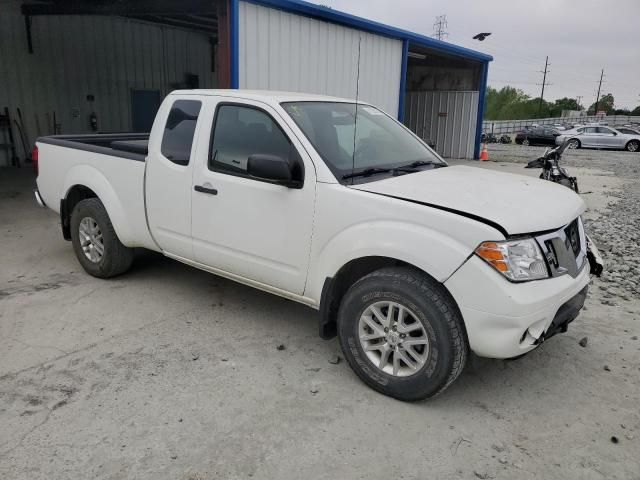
x=514, y=204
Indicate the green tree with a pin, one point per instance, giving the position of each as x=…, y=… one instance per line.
x=564, y=104
x=636, y=111
x=606, y=103
x=510, y=103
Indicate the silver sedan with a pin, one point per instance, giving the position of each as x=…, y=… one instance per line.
x=599, y=137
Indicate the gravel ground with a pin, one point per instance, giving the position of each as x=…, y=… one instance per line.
x=614, y=226
x=171, y=373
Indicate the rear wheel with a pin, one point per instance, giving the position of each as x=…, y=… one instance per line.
x=402, y=334
x=574, y=143
x=633, y=146
x=95, y=242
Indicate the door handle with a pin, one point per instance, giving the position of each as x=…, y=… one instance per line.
x=201, y=189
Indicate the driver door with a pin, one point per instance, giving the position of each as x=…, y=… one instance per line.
x=243, y=225
x=609, y=138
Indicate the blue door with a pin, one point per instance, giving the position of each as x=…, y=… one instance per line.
x=144, y=105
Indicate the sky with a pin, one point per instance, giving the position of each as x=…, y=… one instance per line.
x=581, y=37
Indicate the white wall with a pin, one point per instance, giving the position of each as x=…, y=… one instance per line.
x=285, y=51
x=79, y=55
x=448, y=119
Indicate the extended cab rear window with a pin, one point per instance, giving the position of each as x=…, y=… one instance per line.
x=179, y=130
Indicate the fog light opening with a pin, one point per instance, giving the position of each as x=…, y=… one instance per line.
x=530, y=339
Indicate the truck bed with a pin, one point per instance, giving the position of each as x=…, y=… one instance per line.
x=133, y=146
x=111, y=165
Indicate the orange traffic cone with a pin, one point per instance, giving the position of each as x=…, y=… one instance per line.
x=484, y=155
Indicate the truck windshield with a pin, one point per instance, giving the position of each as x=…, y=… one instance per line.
x=380, y=143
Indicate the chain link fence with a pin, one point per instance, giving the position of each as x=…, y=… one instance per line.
x=500, y=127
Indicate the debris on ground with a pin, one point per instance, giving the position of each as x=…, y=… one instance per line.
x=456, y=443
x=499, y=447
x=335, y=359
x=583, y=342
x=280, y=347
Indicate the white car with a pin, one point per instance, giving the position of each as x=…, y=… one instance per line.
x=600, y=137
x=412, y=263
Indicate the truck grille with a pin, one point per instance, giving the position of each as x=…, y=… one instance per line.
x=572, y=232
x=565, y=249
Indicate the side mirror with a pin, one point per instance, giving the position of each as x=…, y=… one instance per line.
x=272, y=168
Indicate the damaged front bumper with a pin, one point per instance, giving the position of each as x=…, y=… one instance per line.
x=566, y=314
x=505, y=319
x=596, y=265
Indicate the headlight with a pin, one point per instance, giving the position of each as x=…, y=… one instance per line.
x=518, y=260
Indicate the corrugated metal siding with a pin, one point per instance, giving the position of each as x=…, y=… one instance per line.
x=285, y=51
x=79, y=55
x=446, y=118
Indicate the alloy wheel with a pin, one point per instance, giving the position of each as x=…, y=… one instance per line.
x=393, y=338
x=91, y=239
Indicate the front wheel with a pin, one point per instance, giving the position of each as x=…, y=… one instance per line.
x=95, y=242
x=402, y=334
x=633, y=146
x=525, y=142
x=573, y=144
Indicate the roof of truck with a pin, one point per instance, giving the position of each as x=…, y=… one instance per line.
x=267, y=96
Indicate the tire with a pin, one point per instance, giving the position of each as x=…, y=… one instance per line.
x=91, y=229
x=526, y=142
x=574, y=143
x=430, y=314
x=633, y=146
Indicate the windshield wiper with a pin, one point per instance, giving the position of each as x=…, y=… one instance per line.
x=366, y=172
x=418, y=163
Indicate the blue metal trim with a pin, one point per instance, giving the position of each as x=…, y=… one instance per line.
x=326, y=14
x=482, y=92
x=403, y=79
x=234, y=33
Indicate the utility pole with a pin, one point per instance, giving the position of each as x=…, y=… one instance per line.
x=578, y=98
x=544, y=82
x=598, y=95
x=440, y=27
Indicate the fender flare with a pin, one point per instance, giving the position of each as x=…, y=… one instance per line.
x=90, y=177
x=399, y=240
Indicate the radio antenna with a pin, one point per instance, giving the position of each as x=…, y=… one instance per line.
x=355, y=119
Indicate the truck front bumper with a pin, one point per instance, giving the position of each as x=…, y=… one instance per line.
x=505, y=319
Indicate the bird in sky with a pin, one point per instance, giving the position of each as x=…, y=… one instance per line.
x=481, y=36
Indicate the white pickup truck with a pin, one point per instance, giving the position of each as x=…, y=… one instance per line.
x=411, y=262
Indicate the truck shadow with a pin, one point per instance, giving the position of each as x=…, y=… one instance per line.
x=486, y=382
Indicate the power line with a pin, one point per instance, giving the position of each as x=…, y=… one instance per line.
x=598, y=95
x=544, y=82
x=440, y=27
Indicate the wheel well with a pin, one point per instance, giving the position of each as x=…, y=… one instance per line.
x=630, y=141
x=335, y=287
x=74, y=196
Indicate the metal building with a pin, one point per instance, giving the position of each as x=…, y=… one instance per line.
x=74, y=66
